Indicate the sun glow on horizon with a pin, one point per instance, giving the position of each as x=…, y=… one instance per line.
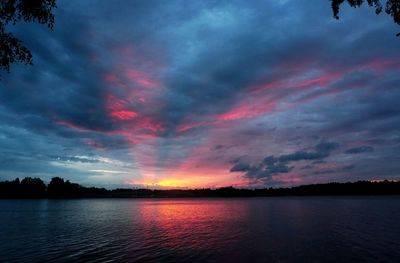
x=189, y=181
x=174, y=183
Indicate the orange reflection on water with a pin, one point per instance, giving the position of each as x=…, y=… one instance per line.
x=193, y=224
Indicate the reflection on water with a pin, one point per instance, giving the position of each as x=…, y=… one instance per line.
x=181, y=225
x=201, y=230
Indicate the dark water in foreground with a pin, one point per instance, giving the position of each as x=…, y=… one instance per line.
x=292, y=229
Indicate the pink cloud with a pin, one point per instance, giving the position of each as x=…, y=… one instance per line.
x=140, y=77
x=124, y=114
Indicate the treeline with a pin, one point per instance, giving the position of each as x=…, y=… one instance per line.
x=59, y=188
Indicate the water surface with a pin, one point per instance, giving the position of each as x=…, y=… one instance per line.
x=291, y=229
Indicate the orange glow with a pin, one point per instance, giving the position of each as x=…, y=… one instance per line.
x=188, y=182
x=170, y=220
x=190, y=177
x=175, y=183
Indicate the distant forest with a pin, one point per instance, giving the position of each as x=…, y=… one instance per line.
x=59, y=188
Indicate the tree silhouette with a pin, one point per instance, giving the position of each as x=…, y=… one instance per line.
x=13, y=11
x=392, y=7
x=32, y=187
x=58, y=188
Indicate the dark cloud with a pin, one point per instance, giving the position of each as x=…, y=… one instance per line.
x=240, y=167
x=277, y=165
x=260, y=171
x=80, y=159
x=360, y=149
x=336, y=170
x=222, y=148
x=322, y=150
x=300, y=155
x=325, y=148
x=270, y=160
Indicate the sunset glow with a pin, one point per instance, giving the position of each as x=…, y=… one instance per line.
x=242, y=94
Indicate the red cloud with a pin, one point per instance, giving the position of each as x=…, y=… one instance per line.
x=124, y=114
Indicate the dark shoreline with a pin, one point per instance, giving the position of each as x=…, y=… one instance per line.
x=34, y=188
x=198, y=197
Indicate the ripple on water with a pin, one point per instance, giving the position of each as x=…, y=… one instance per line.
x=201, y=230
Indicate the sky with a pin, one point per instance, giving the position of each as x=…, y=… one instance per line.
x=195, y=94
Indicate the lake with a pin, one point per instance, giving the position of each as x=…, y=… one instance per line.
x=281, y=229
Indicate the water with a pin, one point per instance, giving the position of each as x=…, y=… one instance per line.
x=292, y=229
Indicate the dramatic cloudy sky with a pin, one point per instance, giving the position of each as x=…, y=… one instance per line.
x=204, y=94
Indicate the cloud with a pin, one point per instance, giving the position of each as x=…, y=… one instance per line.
x=335, y=171
x=322, y=150
x=272, y=165
x=361, y=149
x=81, y=159
x=185, y=88
x=240, y=167
x=260, y=171
x=108, y=171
